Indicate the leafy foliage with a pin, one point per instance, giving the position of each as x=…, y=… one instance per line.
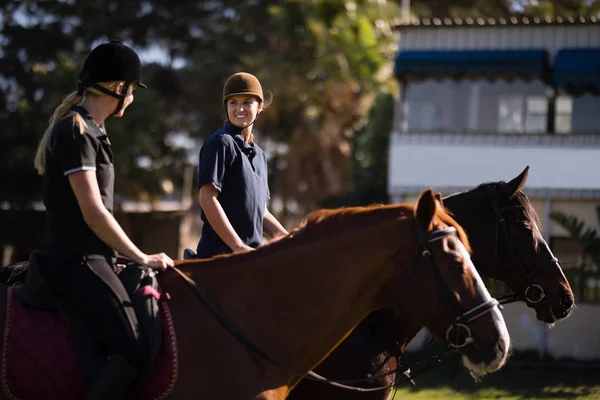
x=589, y=241
x=325, y=61
x=588, y=238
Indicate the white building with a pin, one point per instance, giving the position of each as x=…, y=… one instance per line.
x=482, y=99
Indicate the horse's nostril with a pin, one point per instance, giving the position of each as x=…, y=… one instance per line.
x=566, y=301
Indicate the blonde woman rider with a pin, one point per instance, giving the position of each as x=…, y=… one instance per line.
x=78, y=258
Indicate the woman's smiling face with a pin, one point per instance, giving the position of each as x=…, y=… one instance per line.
x=242, y=110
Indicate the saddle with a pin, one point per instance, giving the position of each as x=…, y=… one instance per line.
x=49, y=355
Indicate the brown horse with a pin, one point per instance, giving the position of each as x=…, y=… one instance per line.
x=281, y=297
x=504, y=232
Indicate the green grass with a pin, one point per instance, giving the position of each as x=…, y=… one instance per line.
x=522, y=378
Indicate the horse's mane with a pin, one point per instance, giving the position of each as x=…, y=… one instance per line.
x=528, y=209
x=462, y=235
x=325, y=223
x=522, y=198
x=322, y=222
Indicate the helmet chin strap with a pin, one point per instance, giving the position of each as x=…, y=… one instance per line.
x=119, y=96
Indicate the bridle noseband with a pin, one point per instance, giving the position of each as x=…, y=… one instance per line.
x=461, y=322
x=531, y=288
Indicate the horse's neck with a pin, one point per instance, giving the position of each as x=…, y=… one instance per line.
x=300, y=302
x=405, y=332
x=396, y=330
x=459, y=204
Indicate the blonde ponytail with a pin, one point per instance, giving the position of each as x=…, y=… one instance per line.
x=40, y=155
x=61, y=113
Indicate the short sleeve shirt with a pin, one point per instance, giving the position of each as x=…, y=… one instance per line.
x=238, y=170
x=69, y=152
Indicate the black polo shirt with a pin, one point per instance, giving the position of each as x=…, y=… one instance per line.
x=238, y=170
x=70, y=152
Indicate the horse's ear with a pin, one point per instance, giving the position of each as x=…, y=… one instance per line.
x=438, y=197
x=426, y=209
x=512, y=187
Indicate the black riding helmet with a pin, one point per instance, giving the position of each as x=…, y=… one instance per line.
x=109, y=62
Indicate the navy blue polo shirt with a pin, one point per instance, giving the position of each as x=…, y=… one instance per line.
x=71, y=151
x=238, y=170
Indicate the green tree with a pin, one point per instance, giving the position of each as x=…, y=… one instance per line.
x=369, y=162
x=589, y=241
x=337, y=53
x=323, y=61
x=42, y=48
x=320, y=58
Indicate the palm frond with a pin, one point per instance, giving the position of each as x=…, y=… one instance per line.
x=588, y=238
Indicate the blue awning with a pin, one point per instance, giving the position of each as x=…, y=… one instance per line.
x=492, y=64
x=577, y=70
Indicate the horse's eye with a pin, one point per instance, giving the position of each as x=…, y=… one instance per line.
x=454, y=265
x=527, y=228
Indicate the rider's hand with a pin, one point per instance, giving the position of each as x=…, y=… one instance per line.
x=243, y=248
x=158, y=261
x=277, y=237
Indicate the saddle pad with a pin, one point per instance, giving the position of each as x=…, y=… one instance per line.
x=39, y=363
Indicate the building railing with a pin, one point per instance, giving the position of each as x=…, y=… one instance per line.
x=499, y=139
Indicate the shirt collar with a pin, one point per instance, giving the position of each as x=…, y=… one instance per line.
x=232, y=129
x=236, y=132
x=94, y=129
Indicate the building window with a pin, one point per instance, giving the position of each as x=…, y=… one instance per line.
x=510, y=114
x=563, y=116
x=425, y=115
x=434, y=106
x=578, y=114
x=519, y=114
x=474, y=106
x=536, y=114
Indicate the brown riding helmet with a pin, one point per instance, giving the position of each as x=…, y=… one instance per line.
x=242, y=83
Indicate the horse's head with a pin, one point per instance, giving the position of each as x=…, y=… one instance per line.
x=506, y=233
x=454, y=303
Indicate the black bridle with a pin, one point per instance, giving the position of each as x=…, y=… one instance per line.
x=461, y=322
x=446, y=296
x=532, y=288
x=529, y=292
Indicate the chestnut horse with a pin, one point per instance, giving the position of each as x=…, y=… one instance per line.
x=504, y=232
x=412, y=259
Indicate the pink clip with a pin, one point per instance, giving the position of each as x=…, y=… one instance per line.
x=148, y=290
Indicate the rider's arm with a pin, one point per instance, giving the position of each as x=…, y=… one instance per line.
x=100, y=220
x=218, y=220
x=272, y=227
x=77, y=156
x=216, y=156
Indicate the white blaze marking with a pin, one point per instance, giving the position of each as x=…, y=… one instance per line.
x=496, y=315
